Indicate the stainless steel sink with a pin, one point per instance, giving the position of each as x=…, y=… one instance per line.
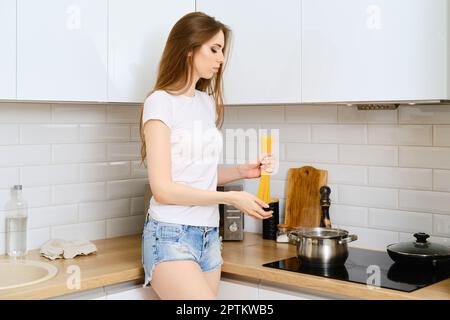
x=16, y=273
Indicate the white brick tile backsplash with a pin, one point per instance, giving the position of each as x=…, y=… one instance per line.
x=277, y=188
x=73, y=113
x=441, y=136
x=37, y=237
x=427, y=201
x=424, y=114
x=93, y=230
x=123, y=114
x=372, y=239
x=47, y=175
x=252, y=224
x=9, y=134
x=346, y=134
x=135, y=133
x=137, y=206
x=37, y=196
x=2, y=221
x=138, y=170
x=4, y=197
x=124, y=151
x=311, y=114
x=424, y=157
x=401, y=177
x=349, y=215
x=270, y=115
x=13, y=112
x=48, y=133
x=441, y=180
x=125, y=226
x=351, y=114
x=344, y=174
x=104, y=171
x=126, y=188
x=230, y=114
x=311, y=152
x=75, y=153
x=101, y=210
x=25, y=155
x=48, y=216
x=280, y=172
x=334, y=196
x=441, y=225
x=396, y=220
x=9, y=177
x=368, y=155
x=81, y=192
x=104, y=133
x=389, y=170
x=2, y=243
x=295, y=133
x=420, y=135
x=368, y=196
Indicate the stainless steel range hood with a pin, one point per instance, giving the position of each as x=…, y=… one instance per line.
x=387, y=105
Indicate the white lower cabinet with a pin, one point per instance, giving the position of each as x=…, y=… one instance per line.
x=230, y=289
x=271, y=291
x=249, y=289
x=131, y=290
x=234, y=288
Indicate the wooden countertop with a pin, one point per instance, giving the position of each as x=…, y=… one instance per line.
x=119, y=259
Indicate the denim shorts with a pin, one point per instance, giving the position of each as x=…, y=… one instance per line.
x=162, y=241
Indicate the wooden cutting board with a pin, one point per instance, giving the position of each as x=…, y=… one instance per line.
x=303, y=196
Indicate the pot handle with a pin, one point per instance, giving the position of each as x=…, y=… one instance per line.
x=293, y=237
x=437, y=262
x=348, y=239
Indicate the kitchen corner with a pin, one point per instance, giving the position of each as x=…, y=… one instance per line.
x=119, y=260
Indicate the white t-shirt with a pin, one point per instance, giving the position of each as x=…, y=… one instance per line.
x=196, y=148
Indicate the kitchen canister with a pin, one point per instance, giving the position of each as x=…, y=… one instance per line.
x=270, y=224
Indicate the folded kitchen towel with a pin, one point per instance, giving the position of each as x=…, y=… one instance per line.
x=58, y=248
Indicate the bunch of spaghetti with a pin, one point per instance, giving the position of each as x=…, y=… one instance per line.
x=264, y=180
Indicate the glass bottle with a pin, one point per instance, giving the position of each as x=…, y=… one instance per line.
x=282, y=230
x=16, y=223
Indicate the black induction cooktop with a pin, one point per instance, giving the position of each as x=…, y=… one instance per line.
x=373, y=268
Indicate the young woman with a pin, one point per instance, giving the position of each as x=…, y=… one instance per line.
x=181, y=246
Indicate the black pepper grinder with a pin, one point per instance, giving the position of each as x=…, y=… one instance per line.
x=325, y=192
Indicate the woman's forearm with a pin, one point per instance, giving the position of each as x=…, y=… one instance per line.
x=228, y=174
x=181, y=194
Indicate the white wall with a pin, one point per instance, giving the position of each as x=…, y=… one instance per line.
x=79, y=164
x=79, y=167
x=389, y=171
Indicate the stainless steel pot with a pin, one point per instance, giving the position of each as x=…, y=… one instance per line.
x=322, y=247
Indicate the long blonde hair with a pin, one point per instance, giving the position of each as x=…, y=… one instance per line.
x=188, y=35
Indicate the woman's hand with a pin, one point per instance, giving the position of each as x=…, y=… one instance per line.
x=249, y=204
x=253, y=170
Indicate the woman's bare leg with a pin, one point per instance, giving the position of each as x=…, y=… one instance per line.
x=181, y=280
x=213, y=279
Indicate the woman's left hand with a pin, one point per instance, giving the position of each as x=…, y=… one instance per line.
x=253, y=170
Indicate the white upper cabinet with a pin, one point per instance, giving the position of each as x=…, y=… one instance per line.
x=62, y=50
x=8, y=49
x=138, y=31
x=265, y=62
x=375, y=50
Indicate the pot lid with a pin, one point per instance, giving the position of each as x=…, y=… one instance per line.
x=320, y=233
x=420, y=247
